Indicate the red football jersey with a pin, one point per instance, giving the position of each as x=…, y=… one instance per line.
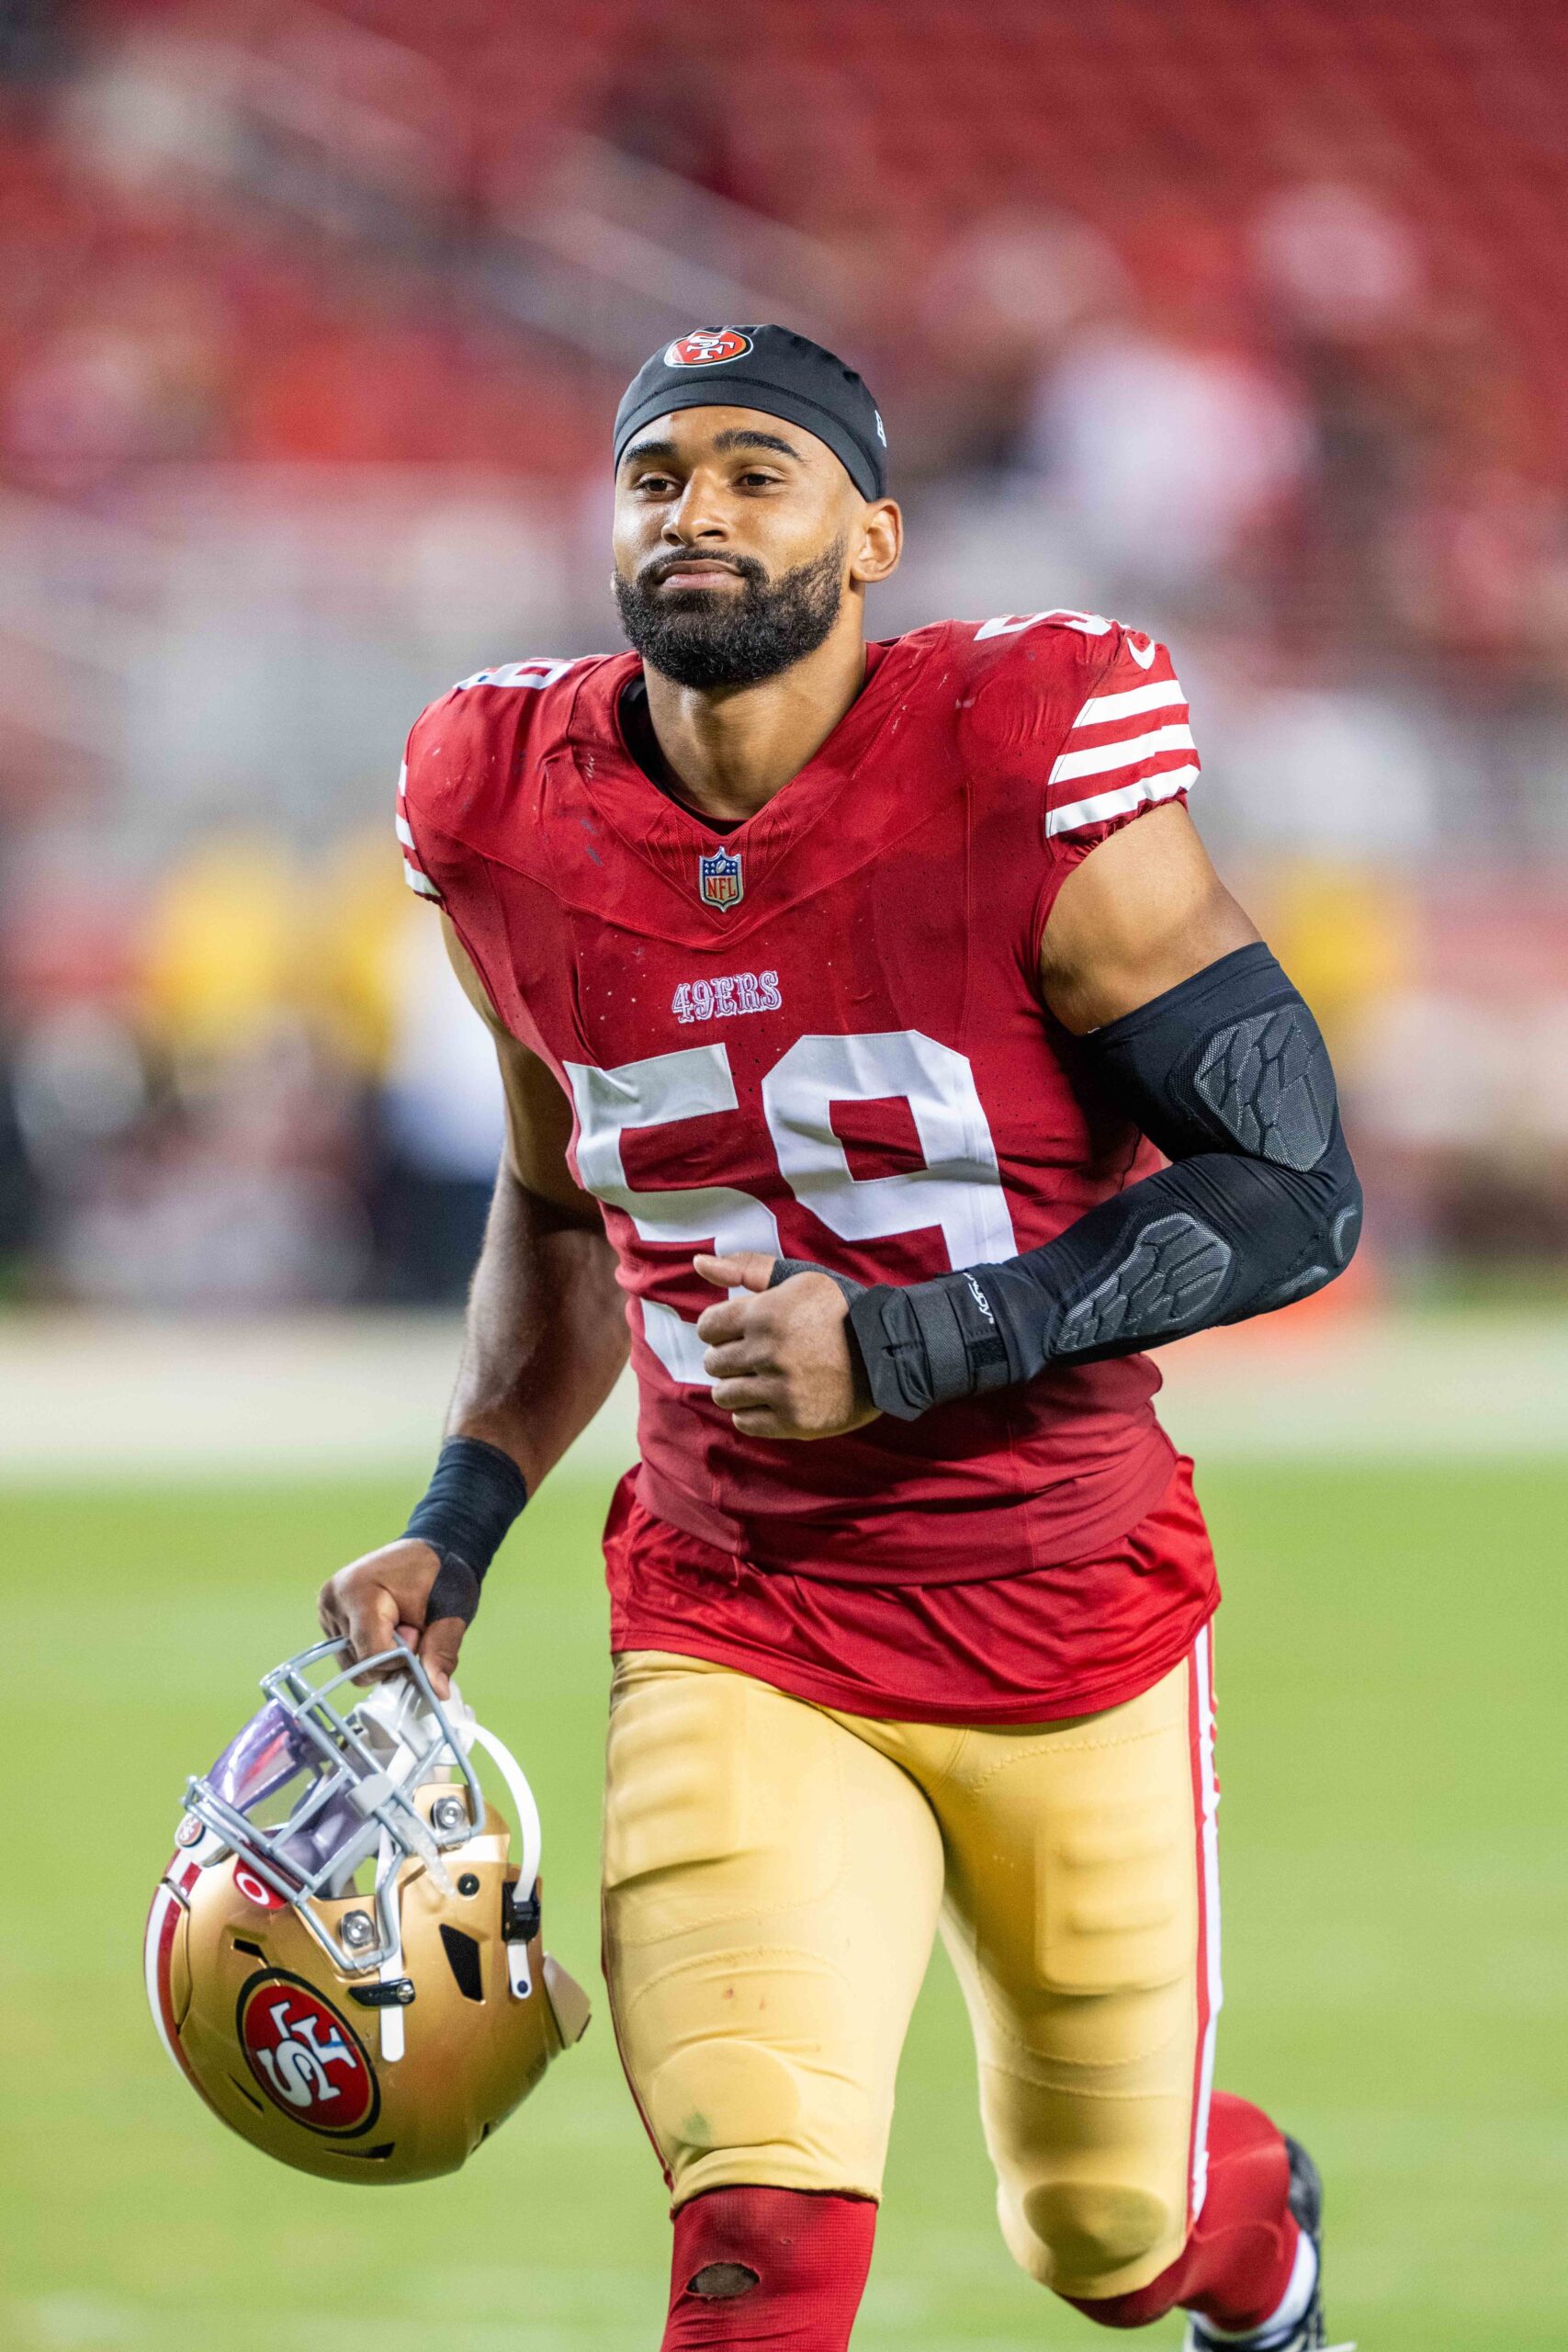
x=1067, y=1640
x=822, y=1033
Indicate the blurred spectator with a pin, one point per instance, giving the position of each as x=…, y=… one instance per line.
x=1167, y=455
x=662, y=105
x=1005, y=298
x=19, y=1232
x=442, y=1123
x=1341, y=266
x=34, y=42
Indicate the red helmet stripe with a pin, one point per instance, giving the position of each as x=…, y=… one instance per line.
x=162, y=1923
x=163, y=1926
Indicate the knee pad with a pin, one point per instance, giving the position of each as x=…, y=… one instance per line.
x=773, y=2267
x=1094, y=2229
x=1239, y=2253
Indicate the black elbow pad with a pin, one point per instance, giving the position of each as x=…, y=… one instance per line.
x=1230, y=1059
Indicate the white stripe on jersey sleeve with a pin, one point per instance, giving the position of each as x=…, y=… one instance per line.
x=1106, y=805
x=412, y=875
x=1127, y=751
x=1099, y=709
x=1137, y=737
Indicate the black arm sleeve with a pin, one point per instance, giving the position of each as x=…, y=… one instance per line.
x=1228, y=1074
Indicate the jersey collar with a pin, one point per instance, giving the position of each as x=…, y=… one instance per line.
x=673, y=839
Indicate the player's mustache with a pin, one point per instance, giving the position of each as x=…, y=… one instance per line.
x=661, y=568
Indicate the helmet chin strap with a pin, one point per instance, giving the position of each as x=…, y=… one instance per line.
x=522, y=1796
x=466, y=1726
x=392, y=1969
x=519, y=1974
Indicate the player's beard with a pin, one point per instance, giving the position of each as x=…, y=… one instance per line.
x=713, y=637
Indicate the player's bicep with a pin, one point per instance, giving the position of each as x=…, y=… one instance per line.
x=1143, y=911
x=538, y=1115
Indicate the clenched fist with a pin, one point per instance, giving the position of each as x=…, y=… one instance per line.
x=781, y=1359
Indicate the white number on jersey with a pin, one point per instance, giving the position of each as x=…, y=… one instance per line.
x=959, y=1189
x=1014, y=624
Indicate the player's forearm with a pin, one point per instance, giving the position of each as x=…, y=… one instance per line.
x=1228, y=1074
x=546, y=1335
x=1213, y=1239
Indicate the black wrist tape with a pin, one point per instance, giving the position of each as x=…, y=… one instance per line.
x=925, y=1343
x=475, y=1493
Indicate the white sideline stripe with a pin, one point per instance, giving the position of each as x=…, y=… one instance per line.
x=1163, y=695
x=404, y=835
x=127, y=1396
x=1116, y=804
x=1202, y=1655
x=1102, y=758
x=420, y=882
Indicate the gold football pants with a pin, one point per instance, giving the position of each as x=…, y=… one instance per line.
x=775, y=1873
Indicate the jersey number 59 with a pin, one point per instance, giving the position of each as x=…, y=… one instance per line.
x=958, y=1190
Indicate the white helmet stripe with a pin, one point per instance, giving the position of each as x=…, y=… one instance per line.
x=162, y=1920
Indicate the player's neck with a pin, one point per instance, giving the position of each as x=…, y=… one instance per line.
x=728, y=750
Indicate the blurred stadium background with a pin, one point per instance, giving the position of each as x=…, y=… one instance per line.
x=1245, y=319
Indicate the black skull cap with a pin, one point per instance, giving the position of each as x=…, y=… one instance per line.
x=766, y=367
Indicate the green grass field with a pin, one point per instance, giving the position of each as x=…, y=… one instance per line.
x=1396, y=1913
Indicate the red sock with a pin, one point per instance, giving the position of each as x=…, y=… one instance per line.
x=768, y=2266
x=1237, y=2265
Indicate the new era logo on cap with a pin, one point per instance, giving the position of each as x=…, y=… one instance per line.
x=707, y=346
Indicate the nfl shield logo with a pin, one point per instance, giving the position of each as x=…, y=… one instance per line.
x=719, y=879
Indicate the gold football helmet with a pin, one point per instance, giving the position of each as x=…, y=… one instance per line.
x=343, y=1957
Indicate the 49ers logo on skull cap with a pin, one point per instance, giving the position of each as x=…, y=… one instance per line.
x=306, y=2058
x=706, y=346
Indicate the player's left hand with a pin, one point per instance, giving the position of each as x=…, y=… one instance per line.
x=781, y=1360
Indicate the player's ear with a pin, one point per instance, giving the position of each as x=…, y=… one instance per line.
x=878, y=542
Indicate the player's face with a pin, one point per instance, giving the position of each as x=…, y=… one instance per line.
x=736, y=537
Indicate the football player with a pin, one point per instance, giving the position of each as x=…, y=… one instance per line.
x=882, y=1048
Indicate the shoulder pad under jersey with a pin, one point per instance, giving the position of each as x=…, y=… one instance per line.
x=1092, y=712
x=463, y=749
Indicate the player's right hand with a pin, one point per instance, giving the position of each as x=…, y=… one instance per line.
x=381, y=1598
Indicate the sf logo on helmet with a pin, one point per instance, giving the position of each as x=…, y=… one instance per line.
x=707, y=346
x=305, y=2057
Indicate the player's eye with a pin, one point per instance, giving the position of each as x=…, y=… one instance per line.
x=655, y=485
x=758, y=478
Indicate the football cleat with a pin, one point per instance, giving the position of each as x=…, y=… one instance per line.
x=1308, y=2334
x=343, y=1955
